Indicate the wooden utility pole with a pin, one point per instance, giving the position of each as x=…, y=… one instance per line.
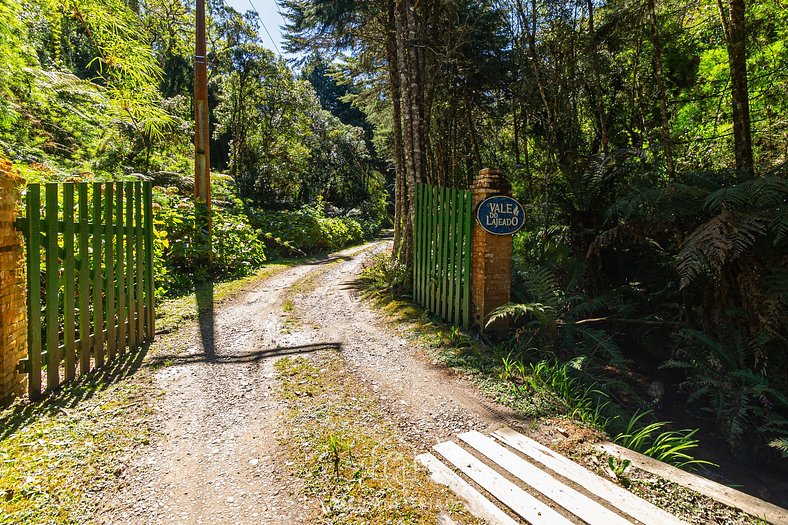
x=202, y=151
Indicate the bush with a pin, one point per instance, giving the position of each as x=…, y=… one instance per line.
x=385, y=276
x=181, y=247
x=310, y=231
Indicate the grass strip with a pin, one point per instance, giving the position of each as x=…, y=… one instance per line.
x=349, y=454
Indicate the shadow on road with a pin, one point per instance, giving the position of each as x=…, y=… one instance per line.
x=248, y=357
x=328, y=260
x=206, y=315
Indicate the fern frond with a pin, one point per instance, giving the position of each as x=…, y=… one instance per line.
x=600, y=340
x=544, y=314
x=542, y=286
x=605, y=302
x=780, y=444
x=778, y=227
x=761, y=193
x=718, y=242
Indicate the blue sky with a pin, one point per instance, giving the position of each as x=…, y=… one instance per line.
x=270, y=17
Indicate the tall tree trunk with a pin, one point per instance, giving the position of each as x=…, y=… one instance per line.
x=733, y=24
x=392, y=56
x=663, y=103
x=598, y=102
x=400, y=249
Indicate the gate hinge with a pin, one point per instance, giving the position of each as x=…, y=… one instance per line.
x=23, y=366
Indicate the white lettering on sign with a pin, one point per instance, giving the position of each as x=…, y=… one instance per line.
x=500, y=215
x=494, y=220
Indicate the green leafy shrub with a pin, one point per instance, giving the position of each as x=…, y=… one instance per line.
x=385, y=276
x=182, y=248
x=310, y=231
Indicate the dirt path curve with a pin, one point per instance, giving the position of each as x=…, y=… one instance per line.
x=216, y=459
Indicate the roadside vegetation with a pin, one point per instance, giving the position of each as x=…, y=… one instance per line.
x=98, y=91
x=647, y=143
x=563, y=402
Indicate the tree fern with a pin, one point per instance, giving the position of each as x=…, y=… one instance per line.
x=542, y=313
x=717, y=242
x=761, y=193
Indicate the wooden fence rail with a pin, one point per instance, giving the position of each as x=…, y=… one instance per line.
x=442, y=253
x=94, y=298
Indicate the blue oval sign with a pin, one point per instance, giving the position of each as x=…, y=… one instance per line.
x=500, y=215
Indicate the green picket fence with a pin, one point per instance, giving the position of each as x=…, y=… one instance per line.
x=442, y=253
x=96, y=294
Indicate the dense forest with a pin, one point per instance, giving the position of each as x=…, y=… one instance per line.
x=648, y=141
x=95, y=90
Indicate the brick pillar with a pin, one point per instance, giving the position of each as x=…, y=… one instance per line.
x=491, y=257
x=13, y=309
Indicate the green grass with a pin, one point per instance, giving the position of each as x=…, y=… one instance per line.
x=362, y=473
x=56, y=455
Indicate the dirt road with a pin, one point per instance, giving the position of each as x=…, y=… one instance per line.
x=216, y=458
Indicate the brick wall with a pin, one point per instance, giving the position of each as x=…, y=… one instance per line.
x=491, y=257
x=13, y=315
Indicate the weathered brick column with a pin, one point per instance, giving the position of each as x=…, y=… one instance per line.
x=491, y=257
x=13, y=315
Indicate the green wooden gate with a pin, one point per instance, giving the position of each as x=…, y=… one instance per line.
x=442, y=253
x=94, y=297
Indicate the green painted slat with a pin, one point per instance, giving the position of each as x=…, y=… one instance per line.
x=444, y=310
x=425, y=278
x=98, y=277
x=52, y=269
x=422, y=241
x=140, y=281
x=129, y=193
x=431, y=251
x=452, y=274
x=109, y=260
x=466, y=285
x=439, y=253
x=33, y=234
x=84, y=280
x=436, y=260
x=120, y=286
x=436, y=251
x=150, y=305
x=69, y=285
x=457, y=259
x=417, y=244
x=417, y=254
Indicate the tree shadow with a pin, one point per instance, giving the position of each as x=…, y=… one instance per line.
x=206, y=317
x=70, y=394
x=248, y=357
x=327, y=260
x=355, y=285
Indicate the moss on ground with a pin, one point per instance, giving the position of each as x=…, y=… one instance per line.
x=349, y=455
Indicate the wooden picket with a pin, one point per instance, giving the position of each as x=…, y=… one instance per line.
x=442, y=254
x=95, y=297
